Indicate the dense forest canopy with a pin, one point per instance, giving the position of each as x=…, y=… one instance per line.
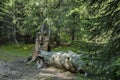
x=91, y=26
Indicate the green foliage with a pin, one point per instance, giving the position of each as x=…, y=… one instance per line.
x=81, y=77
x=91, y=26
x=106, y=14
x=63, y=48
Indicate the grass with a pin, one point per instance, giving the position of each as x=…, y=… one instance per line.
x=5, y=58
x=65, y=48
x=9, y=50
x=22, y=50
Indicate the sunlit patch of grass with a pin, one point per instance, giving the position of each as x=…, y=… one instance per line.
x=15, y=50
x=65, y=48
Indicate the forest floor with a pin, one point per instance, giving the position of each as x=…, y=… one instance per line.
x=16, y=69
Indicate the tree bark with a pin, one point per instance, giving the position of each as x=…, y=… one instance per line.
x=66, y=60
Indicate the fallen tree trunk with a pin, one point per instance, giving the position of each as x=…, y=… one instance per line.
x=66, y=60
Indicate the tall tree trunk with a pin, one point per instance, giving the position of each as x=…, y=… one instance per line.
x=14, y=35
x=72, y=34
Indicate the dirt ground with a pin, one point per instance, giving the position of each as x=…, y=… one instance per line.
x=18, y=70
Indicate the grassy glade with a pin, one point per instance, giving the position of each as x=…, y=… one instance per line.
x=10, y=50
x=7, y=52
